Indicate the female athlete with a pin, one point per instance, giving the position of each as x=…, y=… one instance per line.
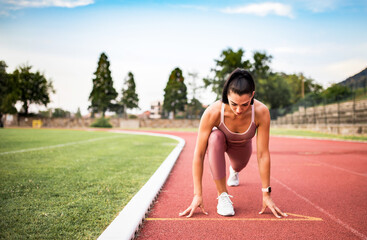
x=227, y=127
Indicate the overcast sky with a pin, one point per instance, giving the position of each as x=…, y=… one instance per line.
x=326, y=40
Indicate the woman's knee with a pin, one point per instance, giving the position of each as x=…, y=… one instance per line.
x=217, y=137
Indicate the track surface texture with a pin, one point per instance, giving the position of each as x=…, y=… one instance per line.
x=322, y=184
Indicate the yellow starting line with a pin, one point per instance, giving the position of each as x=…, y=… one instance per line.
x=299, y=218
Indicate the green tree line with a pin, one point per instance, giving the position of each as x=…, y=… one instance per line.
x=23, y=86
x=277, y=90
x=104, y=97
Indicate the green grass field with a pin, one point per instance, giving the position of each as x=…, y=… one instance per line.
x=73, y=190
x=313, y=134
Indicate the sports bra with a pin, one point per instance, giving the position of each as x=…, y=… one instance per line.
x=233, y=137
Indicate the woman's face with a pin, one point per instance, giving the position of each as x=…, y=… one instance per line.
x=239, y=104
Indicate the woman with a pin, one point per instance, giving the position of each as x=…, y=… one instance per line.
x=228, y=126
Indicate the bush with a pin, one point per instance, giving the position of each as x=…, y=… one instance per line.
x=179, y=117
x=102, y=123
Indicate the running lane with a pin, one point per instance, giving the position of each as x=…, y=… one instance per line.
x=322, y=184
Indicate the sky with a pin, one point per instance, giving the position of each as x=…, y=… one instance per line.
x=325, y=40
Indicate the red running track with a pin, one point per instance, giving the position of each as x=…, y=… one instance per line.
x=322, y=184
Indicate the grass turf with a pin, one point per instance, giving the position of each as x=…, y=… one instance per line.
x=313, y=134
x=72, y=191
x=170, y=129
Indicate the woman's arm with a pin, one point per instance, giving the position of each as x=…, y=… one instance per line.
x=263, y=158
x=208, y=121
x=262, y=140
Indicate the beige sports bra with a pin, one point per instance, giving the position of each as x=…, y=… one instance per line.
x=238, y=137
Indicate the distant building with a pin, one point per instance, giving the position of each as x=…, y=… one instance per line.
x=156, y=110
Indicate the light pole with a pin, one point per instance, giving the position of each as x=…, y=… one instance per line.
x=303, y=86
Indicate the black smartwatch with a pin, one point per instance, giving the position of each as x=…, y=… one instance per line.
x=268, y=189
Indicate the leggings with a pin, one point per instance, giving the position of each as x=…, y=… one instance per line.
x=239, y=154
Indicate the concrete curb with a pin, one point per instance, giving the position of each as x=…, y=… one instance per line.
x=128, y=221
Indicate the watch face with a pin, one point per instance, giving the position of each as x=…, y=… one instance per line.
x=269, y=189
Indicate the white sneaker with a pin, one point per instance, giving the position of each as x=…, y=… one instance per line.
x=233, y=179
x=225, y=205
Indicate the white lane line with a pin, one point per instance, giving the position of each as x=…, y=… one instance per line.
x=57, y=146
x=340, y=168
x=354, y=231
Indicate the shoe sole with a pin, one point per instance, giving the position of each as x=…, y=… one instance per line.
x=232, y=185
x=226, y=215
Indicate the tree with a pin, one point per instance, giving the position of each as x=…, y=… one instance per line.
x=60, y=113
x=45, y=114
x=193, y=84
x=336, y=92
x=261, y=73
x=274, y=91
x=8, y=93
x=175, y=93
x=32, y=87
x=130, y=98
x=78, y=114
x=294, y=81
x=260, y=66
x=117, y=107
x=194, y=109
x=230, y=60
x=103, y=92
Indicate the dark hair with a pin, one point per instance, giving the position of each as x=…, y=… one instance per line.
x=240, y=82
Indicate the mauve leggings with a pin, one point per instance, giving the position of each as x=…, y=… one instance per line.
x=239, y=154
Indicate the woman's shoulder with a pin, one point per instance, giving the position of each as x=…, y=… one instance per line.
x=259, y=106
x=215, y=106
x=214, y=110
x=261, y=110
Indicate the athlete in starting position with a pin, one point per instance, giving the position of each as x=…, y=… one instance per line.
x=228, y=126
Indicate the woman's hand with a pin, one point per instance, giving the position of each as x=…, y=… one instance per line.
x=196, y=202
x=268, y=202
